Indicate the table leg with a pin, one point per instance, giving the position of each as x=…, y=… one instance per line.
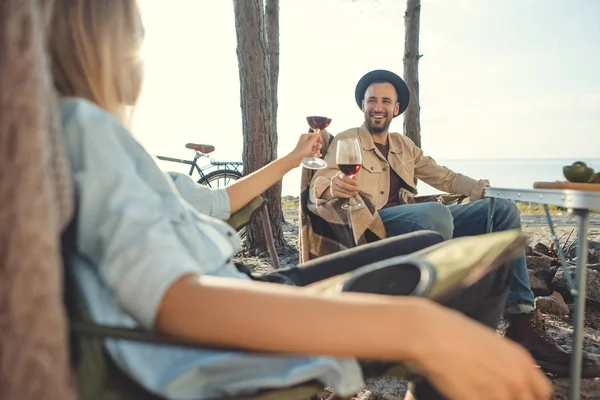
x=491, y=208
x=581, y=281
x=560, y=254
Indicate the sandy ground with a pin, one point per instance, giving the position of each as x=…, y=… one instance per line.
x=535, y=226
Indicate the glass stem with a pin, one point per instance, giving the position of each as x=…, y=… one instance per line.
x=352, y=200
x=315, y=132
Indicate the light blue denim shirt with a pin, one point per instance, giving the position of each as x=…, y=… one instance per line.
x=138, y=230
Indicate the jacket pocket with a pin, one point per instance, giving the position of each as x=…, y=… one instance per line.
x=372, y=166
x=373, y=182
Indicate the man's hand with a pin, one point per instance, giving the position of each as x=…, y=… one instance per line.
x=465, y=360
x=343, y=186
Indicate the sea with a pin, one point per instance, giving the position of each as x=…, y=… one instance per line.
x=517, y=173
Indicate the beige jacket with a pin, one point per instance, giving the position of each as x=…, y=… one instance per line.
x=405, y=158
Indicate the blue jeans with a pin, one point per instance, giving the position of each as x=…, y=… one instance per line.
x=466, y=220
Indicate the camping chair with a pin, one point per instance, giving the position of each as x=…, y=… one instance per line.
x=241, y=218
x=454, y=264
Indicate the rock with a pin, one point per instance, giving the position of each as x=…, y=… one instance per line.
x=559, y=284
x=539, y=285
x=542, y=248
x=553, y=304
x=593, y=252
x=543, y=268
x=539, y=262
x=528, y=250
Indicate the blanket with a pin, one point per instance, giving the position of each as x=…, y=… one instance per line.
x=325, y=227
x=35, y=205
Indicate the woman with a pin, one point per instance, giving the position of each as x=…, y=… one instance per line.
x=155, y=253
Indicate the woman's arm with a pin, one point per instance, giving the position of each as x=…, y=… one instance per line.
x=242, y=191
x=272, y=317
x=462, y=358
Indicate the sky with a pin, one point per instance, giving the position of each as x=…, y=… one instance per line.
x=498, y=78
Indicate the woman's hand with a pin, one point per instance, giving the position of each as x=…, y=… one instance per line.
x=309, y=145
x=468, y=361
x=243, y=190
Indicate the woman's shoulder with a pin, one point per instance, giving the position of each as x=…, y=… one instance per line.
x=75, y=110
x=83, y=120
x=91, y=132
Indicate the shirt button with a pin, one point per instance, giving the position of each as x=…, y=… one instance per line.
x=382, y=192
x=385, y=168
x=371, y=168
x=229, y=234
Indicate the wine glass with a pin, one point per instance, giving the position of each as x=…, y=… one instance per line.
x=316, y=123
x=349, y=161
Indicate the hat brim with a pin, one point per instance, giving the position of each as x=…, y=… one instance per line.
x=382, y=75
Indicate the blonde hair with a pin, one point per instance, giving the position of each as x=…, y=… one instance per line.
x=94, y=47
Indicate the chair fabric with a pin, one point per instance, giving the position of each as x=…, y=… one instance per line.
x=36, y=203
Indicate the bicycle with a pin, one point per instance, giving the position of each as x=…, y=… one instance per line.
x=226, y=171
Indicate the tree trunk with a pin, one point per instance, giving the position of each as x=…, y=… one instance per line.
x=412, y=124
x=272, y=34
x=259, y=131
x=272, y=29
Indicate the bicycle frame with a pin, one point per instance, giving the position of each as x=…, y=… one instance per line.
x=192, y=164
x=229, y=165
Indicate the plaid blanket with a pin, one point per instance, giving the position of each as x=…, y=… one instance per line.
x=325, y=227
x=37, y=203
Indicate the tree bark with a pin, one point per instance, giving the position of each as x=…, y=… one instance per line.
x=272, y=29
x=412, y=124
x=259, y=128
x=272, y=32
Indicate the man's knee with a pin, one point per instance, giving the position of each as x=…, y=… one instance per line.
x=437, y=217
x=419, y=217
x=505, y=211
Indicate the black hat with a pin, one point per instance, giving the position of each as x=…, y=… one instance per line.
x=382, y=75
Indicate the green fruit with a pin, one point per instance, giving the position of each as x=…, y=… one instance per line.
x=578, y=172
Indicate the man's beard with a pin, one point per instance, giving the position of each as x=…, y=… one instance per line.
x=377, y=128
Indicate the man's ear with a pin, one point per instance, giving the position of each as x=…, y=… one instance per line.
x=363, y=105
x=396, y=109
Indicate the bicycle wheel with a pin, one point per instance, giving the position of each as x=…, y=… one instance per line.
x=219, y=178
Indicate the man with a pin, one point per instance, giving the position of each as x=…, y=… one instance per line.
x=391, y=161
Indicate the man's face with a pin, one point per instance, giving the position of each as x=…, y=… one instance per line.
x=380, y=105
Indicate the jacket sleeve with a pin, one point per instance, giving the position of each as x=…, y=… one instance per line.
x=208, y=201
x=122, y=226
x=322, y=178
x=445, y=179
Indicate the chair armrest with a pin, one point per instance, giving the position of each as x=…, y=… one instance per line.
x=444, y=198
x=88, y=329
x=242, y=217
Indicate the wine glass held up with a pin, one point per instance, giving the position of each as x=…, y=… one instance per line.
x=316, y=123
x=349, y=161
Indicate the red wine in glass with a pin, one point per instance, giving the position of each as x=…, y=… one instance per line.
x=349, y=159
x=316, y=123
x=349, y=169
